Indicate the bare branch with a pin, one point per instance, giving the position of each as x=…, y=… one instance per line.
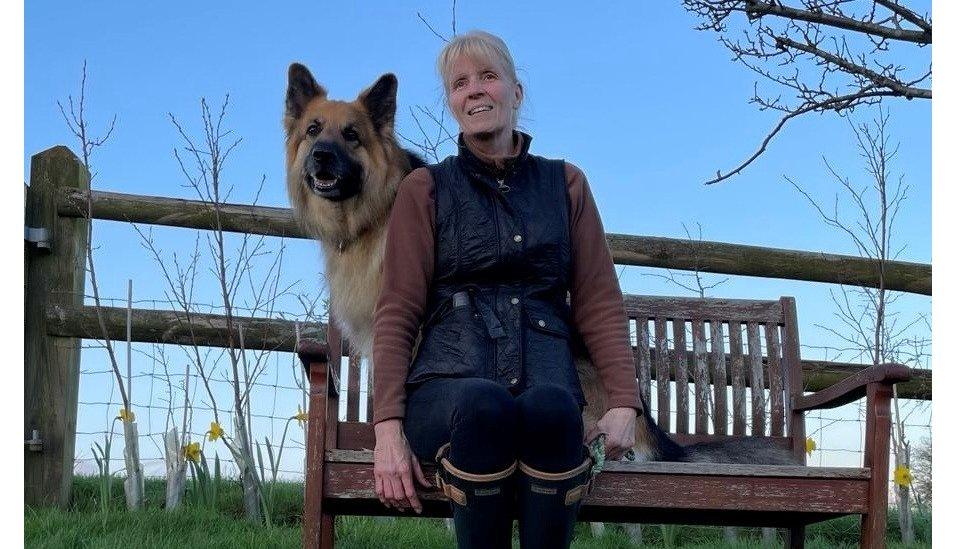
x=827, y=55
x=853, y=68
x=755, y=9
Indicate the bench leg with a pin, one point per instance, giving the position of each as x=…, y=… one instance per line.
x=795, y=537
x=877, y=434
x=328, y=532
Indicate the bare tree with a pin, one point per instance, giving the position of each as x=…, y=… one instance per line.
x=692, y=281
x=830, y=55
x=233, y=262
x=428, y=120
x=922, y=483
x=870, y=326
x=75, y=119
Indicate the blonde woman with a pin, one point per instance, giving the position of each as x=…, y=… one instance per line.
x=483, y=249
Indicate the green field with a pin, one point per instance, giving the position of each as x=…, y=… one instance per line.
x=84, y=525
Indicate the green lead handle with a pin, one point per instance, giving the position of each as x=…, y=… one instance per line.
x=598, y=451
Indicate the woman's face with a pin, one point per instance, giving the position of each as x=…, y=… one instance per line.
x=482, y=99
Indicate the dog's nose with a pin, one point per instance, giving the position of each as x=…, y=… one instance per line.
x=323, y=156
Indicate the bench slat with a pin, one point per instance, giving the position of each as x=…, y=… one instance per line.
x=701, y=376
x=689, y=308
x=673, y=468
x=352, y=393
x=716, y=359
x=643, y=356
x=738, y=379
x=663, y=374
x=777, y=413
x=680, y=358
x=639, y=488
x=756, y=369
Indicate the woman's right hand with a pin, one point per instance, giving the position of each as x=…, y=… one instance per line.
x=394, y=467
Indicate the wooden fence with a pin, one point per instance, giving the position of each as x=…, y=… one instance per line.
x=56, y=318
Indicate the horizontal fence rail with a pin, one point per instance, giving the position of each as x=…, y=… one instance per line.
x=209, y=330
x=176, y=327
x=643, y=251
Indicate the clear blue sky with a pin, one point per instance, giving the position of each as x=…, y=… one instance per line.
x=645, y=105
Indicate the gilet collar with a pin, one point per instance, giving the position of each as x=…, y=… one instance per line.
x=497, y=168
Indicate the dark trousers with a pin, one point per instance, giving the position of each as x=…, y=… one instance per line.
x=489, y=427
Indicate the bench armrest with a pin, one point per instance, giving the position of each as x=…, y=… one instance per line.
x=852, y=388
x=315, y=355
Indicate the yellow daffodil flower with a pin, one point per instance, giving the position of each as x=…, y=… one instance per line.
x=126, y=415
x=903, y=477
x=301, y=416
x=192, y=452
x=811, y=446
x=215, y=432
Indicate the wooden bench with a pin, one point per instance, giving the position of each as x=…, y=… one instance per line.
x=759, y=347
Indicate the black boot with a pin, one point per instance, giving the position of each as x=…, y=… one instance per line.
x=548, y=504
x=483, y=505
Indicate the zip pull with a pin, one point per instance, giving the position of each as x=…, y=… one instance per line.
x=502, y=187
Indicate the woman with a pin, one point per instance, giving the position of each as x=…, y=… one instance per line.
x=483, y=249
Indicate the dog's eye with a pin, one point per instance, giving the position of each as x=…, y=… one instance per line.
x=349, y=134
x=313, y=130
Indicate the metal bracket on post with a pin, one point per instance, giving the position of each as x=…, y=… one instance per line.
x=38, y=237
x=34, y=443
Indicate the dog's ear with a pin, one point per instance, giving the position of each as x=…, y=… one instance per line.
x=380, y=101
x=302, y=88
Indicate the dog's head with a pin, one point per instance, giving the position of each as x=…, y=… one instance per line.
x=342, y=158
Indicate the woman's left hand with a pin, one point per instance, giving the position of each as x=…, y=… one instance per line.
x=618, y=424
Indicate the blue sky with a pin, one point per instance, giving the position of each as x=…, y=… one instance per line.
x=645, y=105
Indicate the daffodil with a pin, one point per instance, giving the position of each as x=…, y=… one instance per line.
x=215, y=432
x=903, y=477
x=192, y=452
x=811, y=446
x=126, y=415
x=301, y=416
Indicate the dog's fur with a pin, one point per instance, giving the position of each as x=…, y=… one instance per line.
x=350, y=218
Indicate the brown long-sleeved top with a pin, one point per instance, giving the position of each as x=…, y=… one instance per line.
x=408, y=267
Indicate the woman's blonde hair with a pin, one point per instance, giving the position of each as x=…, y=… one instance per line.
x=479, y=45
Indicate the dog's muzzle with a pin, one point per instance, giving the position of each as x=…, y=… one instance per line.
x=331, y=174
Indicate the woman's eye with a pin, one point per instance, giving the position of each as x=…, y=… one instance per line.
x=313, y=130
x=490, y=76
x=350, y=134
x=458, y=85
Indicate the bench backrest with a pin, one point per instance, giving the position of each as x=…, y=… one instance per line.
x=698, y=360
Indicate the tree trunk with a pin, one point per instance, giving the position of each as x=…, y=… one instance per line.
x=905, y=523
x=175, y=470
x=134, y=484
x=240, y=449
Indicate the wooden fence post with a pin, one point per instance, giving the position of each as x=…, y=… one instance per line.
x=55, y=273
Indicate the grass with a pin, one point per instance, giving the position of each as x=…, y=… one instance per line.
x=83, y=525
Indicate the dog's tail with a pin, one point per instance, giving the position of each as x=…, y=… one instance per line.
x=738, y=450
x=662, y=447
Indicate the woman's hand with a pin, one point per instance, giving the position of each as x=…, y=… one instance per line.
x=618, y=424
x=394, y=467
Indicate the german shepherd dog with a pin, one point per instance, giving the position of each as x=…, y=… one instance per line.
x=343, y=168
